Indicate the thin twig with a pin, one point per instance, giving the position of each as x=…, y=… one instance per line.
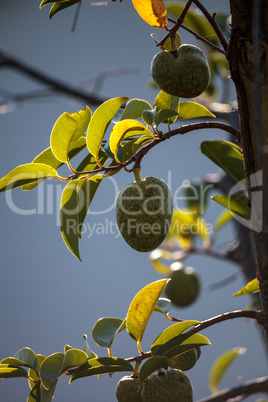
x=255, y=386
x=179, y=131
x=213, y=23
x=177, y=24
x=198, y=37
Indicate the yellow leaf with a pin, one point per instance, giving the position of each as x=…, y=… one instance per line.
x=123, y=129
x=152, y=11
x=141, y=308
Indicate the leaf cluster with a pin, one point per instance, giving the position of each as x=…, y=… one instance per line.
x=43, y=372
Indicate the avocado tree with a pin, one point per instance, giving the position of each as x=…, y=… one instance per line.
x=117, y=137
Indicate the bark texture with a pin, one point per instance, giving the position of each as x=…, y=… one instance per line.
x=248, y=59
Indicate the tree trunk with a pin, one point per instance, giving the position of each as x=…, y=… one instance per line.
x=248, y=59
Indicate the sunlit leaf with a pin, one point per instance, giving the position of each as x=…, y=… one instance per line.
x=40, y=394
x=68, y=128
x=34, y=373
x=24, y=357
x=166, y=101
x=152, y=11
x=251, y=287
x=124, y=129
x=49, y=158
x=73, y=358
x=181, y=343
x=59, y=6
x=87, y=349
x=151, y=365
x=100, y=122
x=7, y=371
x=144, y=139
x=28, y=173
x=50, y=369
x=89, y=162
x=237, y=203
x=105, y=330
x=221, y=365
x=141, y=308
x=161, y=268
x=191, y=110
x=44, y=2
x=135, y=108
x=75, y=202
x=101, y=365
x=171, y=332
x=227, y=156
x=225, y=217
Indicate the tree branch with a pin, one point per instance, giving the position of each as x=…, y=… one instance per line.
x=255, y=386
x=56, y=84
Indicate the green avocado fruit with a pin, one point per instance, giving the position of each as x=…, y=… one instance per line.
x=144, y=212
x=187, y=360
x=184, y=72
x=184, y=286
x=171, y=386
x=128, y=389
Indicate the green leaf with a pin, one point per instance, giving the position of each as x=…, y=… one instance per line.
x=170, y=333
x=87, y=349
x=7, y=371
x=40, y=394
x=167, y=43
x=181, y=343
x=105, y=330
x=34, y=373
x=28, y=173
x=149, y=115
x=223, y=219
x=50, y=369
x=89, y=162
x=69, y=128
x=151, y=365
x=35, y=394
x=141, y=308
x=24, y=357
x=221, y=365
x=100, y=122
x=59, y=6
x=73, y=358
x=75, y=201
x=191, y=110
x=237, y=203
x=124, y=129
x=49, y=158
x=135, y=108
x=227, y=156
x=44, y=2
x=251, y=287
x=163, y=305
x=144, y=139
x=166, y=101
x=164, y=115
x=101, y=365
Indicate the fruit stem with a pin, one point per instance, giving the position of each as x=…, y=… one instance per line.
x=137, y=173
x=173, y=42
